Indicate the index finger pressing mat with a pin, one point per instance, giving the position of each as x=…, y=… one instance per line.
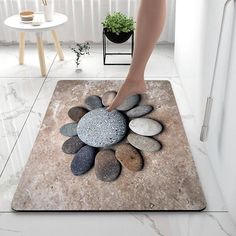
x=135, y=158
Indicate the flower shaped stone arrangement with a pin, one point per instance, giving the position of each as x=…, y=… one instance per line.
x=96, y=136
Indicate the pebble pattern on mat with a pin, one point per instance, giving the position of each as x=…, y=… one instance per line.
x=139, y=111
x=129, y=157
x=144, y=143
x=107, y=168
x=96, y=128
x=75, y=113
x=83, y=160
x=129, y=103
x=145, y=126
x=93, y=102
x=108, y=97
x=100, y=128
x=69, y=130
x=72, y=145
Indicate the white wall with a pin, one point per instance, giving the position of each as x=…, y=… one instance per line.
x=84, y=18
x=222, y=135
x=197, y=31
x=196, y=39
x=190, y=50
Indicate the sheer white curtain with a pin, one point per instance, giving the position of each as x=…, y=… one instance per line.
x=85, y=17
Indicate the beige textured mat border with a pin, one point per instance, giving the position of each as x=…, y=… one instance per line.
x=168, y=181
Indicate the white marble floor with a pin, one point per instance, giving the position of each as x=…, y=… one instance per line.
x=24, y=97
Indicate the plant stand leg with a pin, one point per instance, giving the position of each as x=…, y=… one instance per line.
x=41, y=53
x=21, y=48
x=57, y=45
x=104, y=48
x=105, y=53
x=132, y=45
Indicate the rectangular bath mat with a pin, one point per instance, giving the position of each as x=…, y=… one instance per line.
x=121, y=162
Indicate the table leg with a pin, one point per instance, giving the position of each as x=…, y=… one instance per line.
x=57, y=45
x=41, y=53
x=21, y=48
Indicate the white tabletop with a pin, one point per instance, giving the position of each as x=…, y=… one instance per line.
x=15, y=23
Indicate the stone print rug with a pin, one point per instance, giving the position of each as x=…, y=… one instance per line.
x=164, y=180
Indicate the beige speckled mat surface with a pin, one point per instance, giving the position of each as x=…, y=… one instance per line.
x=168, y=181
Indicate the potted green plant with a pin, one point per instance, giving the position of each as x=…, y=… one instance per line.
x=118, y=27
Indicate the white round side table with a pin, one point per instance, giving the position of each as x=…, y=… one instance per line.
x=14, y=22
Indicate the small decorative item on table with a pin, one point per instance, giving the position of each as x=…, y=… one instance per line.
x=48, y=9
x=26, y=16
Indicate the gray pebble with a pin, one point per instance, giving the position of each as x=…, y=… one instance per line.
x=100, y=128
x=72, y=145
x=69, y=129
x=83, y=160
x=129, y=102
x=108, y=97
x=144, y=143
x=93, y=102
x=139, y=111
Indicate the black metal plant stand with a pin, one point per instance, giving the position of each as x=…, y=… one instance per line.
x=105, y=53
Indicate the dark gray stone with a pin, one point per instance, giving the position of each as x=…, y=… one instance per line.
x=93, y=102
x=139, y=111
x=100, y=128
x=75, y=113
x=144, y=143
x=107, y=168
x=83, y=160
x=72, y=145
x=129, y=102
x=108, y=97
x=69, y=129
